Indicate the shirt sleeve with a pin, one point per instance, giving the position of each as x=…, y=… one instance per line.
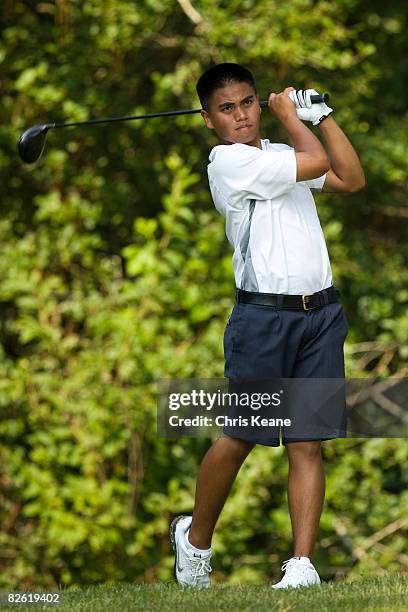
x=317, y=183
x=244, y=171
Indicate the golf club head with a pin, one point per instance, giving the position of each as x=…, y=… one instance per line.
x=31, y=143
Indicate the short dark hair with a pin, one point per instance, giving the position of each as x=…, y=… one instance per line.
x=219, y=76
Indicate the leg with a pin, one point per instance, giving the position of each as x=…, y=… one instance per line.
x=216, y=476
x=306, y=488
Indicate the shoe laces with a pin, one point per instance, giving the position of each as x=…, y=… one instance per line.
x=200, y=567
x=294, y=565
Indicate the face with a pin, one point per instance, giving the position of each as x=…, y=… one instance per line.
x=231, y=108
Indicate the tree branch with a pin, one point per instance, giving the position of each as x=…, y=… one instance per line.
x=190, y=11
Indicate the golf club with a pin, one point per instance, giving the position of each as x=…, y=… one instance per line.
x=31, y=143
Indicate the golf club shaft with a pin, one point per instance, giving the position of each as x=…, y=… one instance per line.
x=31, y=143
x=314, y=99
x=124, y=118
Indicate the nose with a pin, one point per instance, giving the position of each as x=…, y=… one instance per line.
x=240, y=114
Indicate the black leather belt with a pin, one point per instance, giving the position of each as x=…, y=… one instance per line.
x=302, y=302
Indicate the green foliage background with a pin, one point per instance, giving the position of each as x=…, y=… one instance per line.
x=115, y=271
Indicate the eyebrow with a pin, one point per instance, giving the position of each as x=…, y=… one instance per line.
x=220, y=106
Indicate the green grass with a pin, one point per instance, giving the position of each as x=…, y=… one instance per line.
x=385, y=593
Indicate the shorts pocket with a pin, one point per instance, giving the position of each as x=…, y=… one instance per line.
x=255, y=342
x=338, y=319
x=230, y=335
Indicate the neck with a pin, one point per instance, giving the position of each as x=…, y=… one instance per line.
x=256, y=143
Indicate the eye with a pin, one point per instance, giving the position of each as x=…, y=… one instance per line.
x=249, y=102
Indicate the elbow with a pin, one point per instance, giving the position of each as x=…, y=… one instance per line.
x=358, y=185
x=324, y=165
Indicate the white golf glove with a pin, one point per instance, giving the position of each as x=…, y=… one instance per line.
x=305, y=110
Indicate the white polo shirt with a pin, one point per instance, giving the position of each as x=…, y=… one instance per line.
x=271, y=220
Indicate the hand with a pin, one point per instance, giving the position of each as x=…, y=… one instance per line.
x=281, y=105
x=306, y=111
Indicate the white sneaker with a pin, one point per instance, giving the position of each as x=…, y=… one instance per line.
x=190, y=568
x=299, y=571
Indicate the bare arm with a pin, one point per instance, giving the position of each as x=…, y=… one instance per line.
x=346, y=173
x=311, y=158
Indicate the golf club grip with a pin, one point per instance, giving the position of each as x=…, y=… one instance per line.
x=320, y=98
x=314, y=98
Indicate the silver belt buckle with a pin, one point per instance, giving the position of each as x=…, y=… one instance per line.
x=305, y=307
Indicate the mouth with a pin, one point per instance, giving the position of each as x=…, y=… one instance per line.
x=244, y=127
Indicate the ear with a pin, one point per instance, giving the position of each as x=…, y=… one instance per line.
x=207, y=119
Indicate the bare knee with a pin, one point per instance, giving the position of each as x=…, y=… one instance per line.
x=304, y=451
x=240, y=448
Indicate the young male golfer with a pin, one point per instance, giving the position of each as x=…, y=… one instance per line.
x=287, y=320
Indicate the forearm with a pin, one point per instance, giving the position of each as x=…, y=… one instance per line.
x=302, y=139
x=311, y=158
x=343, y=158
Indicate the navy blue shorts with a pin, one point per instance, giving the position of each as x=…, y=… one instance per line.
x=270, y=342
